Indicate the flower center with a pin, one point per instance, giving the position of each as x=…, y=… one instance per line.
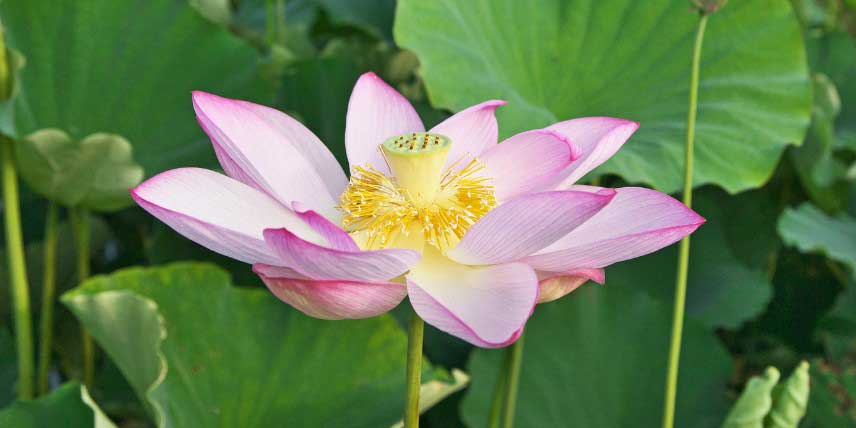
x=421, y=202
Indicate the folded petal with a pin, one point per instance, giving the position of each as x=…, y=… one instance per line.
x=526, y=161
x=376, y=112
x=598, y=139
x=486, y=306
x=331, y=299
x=638, y=221
x=472, y=130
x=334, y=235
x=553, y=286
x=524, y=225
x=269, y=150
x=318, y=262
x=219, y=213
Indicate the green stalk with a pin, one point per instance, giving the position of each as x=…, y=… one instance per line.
x=414, y=371
x=280, y=22
x=18, y=272
x=495, y=416
x=515, y=359
x=80, y=223
x=270, y=22
x=48, y=293
x=684, y=254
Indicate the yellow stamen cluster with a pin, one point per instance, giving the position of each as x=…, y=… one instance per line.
x=373, y=204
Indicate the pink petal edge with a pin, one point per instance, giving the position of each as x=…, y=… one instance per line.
x=553, y=286
x=252, y=141
x=638, y=221
x=485, y=306
x=376, y=112
x=527, y=224
x=317, y=262
x=472, y=130
x=217, y=212
x=331, y=299
x=336, y=237
x=527, y=161
x=597, y=137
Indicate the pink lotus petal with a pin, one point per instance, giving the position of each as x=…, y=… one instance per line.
x=376, y=112
x=218, y=212
x=486, y=306
x=638, y=221
x=318, y=262
x=554, y=286
x=334, y=235
x=269, y=150
x=331, y=299
x=598, y=138
x=472, y=130
x=526, y=161
x=524, y=225
x=230, y=166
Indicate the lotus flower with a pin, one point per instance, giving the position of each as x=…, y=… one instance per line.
x=475, y=232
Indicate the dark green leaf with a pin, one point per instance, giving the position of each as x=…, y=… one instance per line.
x=8, y=367
x=318, y=90
x=838, y=327
x=125, y=67
x=597, y=358
x=723, y=289
x=373, y=16
x=832, y=402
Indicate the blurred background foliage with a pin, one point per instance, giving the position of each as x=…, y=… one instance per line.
x=771, y=274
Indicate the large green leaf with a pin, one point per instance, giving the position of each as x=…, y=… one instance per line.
x=125, y=67
x=597, y=358
x=202, y=353
x=726, y=287
x=94, y=173
x=70, y=406
x=562, y=59
x=811, y=230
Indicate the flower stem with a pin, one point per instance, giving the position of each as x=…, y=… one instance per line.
x=684, y=254
x=280, y=22
x=270, y=22
x=495, y=416
x=17, y=272
x=48, y=293
x=80, y=223
x=515, y=359
x=414, y=371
